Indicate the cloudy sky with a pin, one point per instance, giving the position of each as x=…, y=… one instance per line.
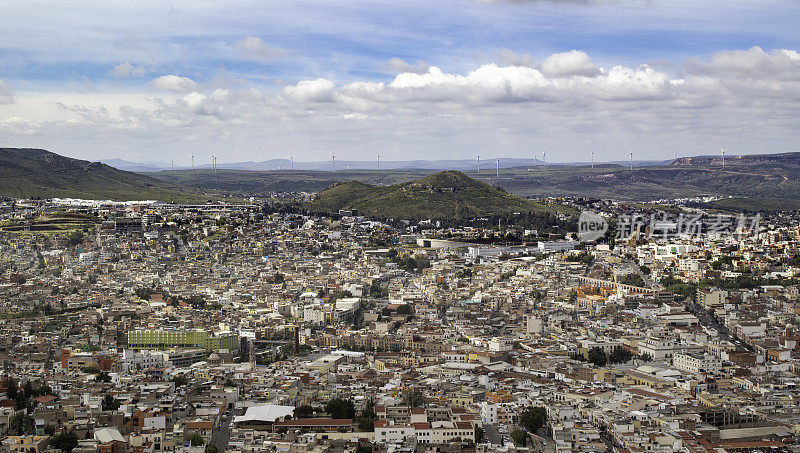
x=251, y=80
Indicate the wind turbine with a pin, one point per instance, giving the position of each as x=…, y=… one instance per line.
x=333, y=161
x=630, y=153
x=592, y=159
x=379, y=161
x=478, y=168
x=497, y=168
x=544, y=156
x=291, y=161
x=723, y=157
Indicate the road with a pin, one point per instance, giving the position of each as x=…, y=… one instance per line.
x=222, y=433
x=543, y=444
x=708, y=321
x=492, y=434
x=645, y=278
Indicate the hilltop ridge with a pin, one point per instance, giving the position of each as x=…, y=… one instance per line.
x=38, y=173
x=446, y=194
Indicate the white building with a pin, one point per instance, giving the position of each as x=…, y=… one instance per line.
x=693, y=362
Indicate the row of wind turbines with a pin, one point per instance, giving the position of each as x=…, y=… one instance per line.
x=477, y=157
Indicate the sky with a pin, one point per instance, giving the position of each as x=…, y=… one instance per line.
x=448, y=79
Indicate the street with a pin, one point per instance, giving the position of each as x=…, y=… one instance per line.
x=708, y=321
x=222, y=432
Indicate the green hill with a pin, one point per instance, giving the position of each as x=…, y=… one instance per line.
x=447, y=194
x=36, y=173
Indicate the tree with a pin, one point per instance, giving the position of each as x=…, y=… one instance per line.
x=520, y=437
x=211, y=449
x=75, y=238
x=27, y=390
x=619, y=355
x=43, y=390
x=305, y=411
x=537, y=297
x=631, y=279
x=366, y=420
x=196, y=440
x=413, y=397
x=533, y=418
x=21, y=424
x=11, y=385
x=110, y=403
x=597, y=356
x=65, y=441
x=180, y=380
x=480, y=434
x=103, y=377
x=340, y=408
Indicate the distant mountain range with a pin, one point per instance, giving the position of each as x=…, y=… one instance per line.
x=753, y=182
x=344, y=165
x=465, y=165
x=31, y=173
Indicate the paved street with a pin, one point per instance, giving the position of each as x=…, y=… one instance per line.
x=492, y=434
x=708, y=321
x=222, y=433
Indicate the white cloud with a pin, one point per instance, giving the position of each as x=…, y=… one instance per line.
x=566, y=100
x=125, y=69
x=174, y=83
x=507, y=57
x=318, y=90
x=399, y=65
x=753, y=62
x=574, y=62
x=254, y=48
x=6, y=97
x=20, y=126
x=491, y=83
